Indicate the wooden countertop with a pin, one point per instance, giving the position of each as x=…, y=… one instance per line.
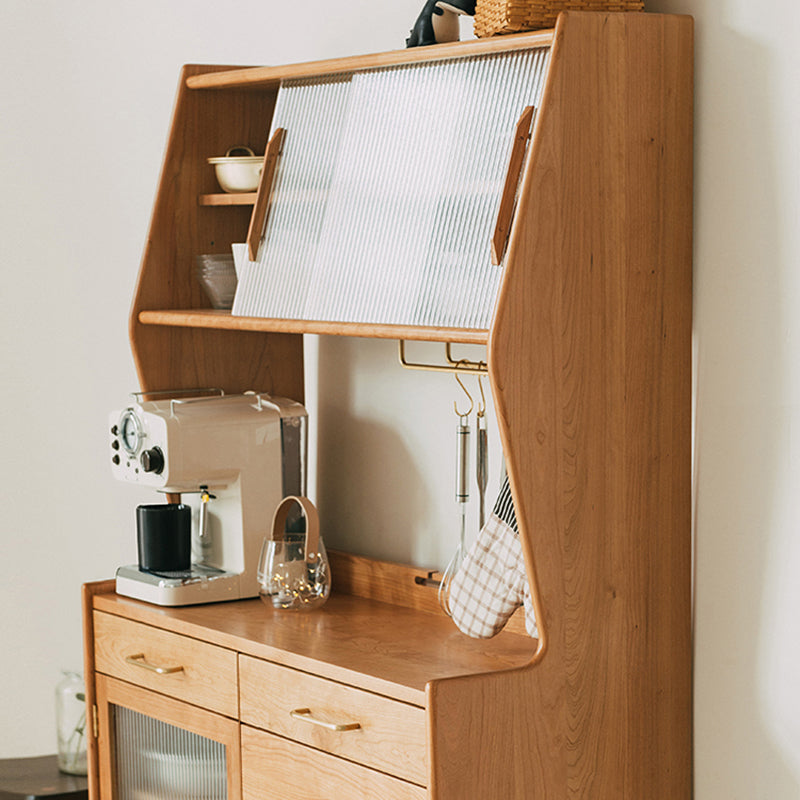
x=377, y=646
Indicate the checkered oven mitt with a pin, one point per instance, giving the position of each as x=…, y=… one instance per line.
x=491, y=583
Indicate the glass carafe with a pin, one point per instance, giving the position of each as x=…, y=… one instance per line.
x=71, y=723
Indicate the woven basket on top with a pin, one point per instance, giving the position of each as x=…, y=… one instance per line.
x=514, y=16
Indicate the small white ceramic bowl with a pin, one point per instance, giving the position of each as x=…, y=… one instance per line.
x=238, y=173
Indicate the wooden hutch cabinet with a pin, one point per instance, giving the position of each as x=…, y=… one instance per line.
x=377, y=695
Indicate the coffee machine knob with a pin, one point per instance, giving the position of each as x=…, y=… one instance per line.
x=152, y=460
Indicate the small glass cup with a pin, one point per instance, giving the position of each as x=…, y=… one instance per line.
x=293, y=571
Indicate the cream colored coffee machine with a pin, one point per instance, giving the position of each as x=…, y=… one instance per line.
x=233, y=459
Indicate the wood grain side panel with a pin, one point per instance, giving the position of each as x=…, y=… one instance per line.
x=590, y=359
x=495, y=737
x=204, y=124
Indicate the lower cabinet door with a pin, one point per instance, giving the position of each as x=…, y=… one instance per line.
x=273, y=767
x=153, y=747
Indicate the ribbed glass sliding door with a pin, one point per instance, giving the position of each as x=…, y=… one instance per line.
x=387, y=193
x=158, y=761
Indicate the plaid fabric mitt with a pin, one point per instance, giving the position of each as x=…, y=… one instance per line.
x=491, y=583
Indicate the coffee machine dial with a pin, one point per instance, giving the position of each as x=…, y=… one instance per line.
x=130, y=432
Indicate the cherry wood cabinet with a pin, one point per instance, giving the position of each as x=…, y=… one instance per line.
x=589, y=360
x=345, y=690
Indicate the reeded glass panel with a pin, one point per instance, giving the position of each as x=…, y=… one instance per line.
x=387, y=192
x=157, y=761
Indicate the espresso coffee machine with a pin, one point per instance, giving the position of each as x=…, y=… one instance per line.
x=233, y=459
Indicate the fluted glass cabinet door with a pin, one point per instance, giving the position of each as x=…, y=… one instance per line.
x=158, y=760
x=387, y=192
x=154, y=747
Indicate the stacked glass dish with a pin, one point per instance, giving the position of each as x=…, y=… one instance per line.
x=217, y=276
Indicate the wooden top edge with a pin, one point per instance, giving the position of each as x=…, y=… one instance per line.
x=367, y=643
x=262, y=77
x=223, y=320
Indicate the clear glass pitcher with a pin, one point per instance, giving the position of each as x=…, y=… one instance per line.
x=293, y=571
x=71, y=723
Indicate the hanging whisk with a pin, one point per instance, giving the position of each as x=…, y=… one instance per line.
x=481, y=456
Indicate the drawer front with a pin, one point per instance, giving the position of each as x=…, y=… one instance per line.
x=187, y=669
x=385, y=734
x=275, y=767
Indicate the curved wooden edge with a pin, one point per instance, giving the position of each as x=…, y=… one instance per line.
x=495, y=344
x=589, y=357
x=88, y=592
x=507, y=717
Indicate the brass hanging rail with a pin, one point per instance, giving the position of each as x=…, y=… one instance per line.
x=454, y=365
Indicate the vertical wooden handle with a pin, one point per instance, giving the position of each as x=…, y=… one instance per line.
x=261, y=208
x=506, y=212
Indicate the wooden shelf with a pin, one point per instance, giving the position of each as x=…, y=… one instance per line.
x=228, y=199
x=223, y=320
x=270, y=77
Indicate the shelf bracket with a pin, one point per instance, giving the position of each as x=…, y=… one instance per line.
x=430, y=581
x=462, y=365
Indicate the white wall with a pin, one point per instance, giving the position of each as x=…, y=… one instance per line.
x=747, y=331
x=84, y=110
x=84, y=107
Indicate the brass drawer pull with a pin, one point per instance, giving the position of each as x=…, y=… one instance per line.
x=304, y=714
x=138, y=661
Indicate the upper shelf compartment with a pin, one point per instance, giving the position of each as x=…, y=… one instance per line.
x=380, y=163
x=386, y=193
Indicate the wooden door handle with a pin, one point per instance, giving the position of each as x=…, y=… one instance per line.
x=258, y=220
x=505, y=215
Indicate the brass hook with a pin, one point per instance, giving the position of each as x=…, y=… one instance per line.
x=466, y=392
x=482, y=406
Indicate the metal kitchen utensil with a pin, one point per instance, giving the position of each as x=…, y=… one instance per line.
x=481, y=456
x=463, y=433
